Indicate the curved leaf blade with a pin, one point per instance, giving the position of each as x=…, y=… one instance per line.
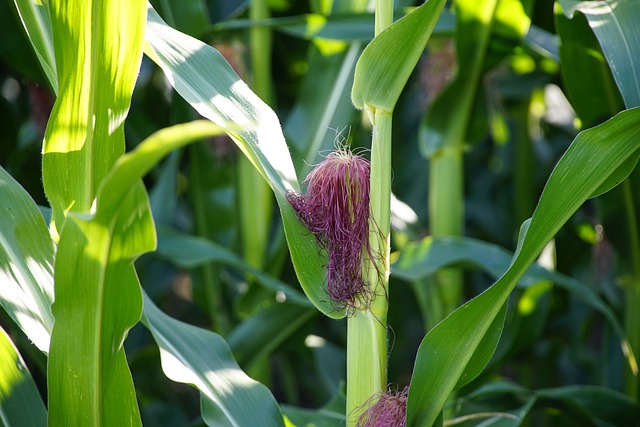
x=424, y=258
x=20, y=402
x=36, y=20
x=448, y=349
x=387, y=62
x=196, y=356
x=205, y=80
x=26, y=263
x=614, y=23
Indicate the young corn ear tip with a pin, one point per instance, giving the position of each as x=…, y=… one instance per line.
x=335, y=208
x=389, y=410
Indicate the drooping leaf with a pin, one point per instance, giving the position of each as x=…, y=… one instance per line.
x=20, y=402
x=36, y=19
x=424, y=258
x=26, y=263
x=196, y=356
x=205, y=80
x=447, y=351
x=594, y=95
x=615, y=23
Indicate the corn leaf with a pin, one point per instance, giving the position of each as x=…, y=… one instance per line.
x=614, y=24
x=387, y=62
x=20, y=402
x=190, y=252
x=205, y=80
x=98, y=49
x=448, y=355
x=37, y=24
x=26, y=263
x=196, y=356
x=424, y=258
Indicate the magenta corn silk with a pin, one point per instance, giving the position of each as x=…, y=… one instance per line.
x=335, y=208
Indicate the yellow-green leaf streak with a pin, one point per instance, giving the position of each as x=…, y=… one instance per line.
x=98, y=49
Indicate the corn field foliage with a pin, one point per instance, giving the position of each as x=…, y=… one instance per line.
x=322, y=213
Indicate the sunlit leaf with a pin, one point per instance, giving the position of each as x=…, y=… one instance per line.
x=26, y=263
x=97, y=295
x=205, y=80
x=196, y=356
x=20, y=402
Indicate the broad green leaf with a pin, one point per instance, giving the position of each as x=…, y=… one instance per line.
x=26, y=263
x=98, y=49
x=205, y=80
x=20, y=402
x=386, y=63
x=85, y=133
x=96, y=254
x=615, y=24
x=97, y=301
x=594, y=95
x=37, y=23
x=418, y=260
x=196, y=356
x=447, y=350
x=190, y=252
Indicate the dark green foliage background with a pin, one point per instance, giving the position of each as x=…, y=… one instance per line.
x=548, y=359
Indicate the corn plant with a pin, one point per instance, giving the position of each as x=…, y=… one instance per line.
x=83, y=272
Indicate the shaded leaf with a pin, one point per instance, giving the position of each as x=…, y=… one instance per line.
x=36, y=19
x=190, y=252
x=196, y=356
x=449, y=347
x=615, y=23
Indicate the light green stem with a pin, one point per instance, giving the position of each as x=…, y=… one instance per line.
x=384, y=15
x=632, y=313
x=446, y=213
x=367, y=330
x=255, y=199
